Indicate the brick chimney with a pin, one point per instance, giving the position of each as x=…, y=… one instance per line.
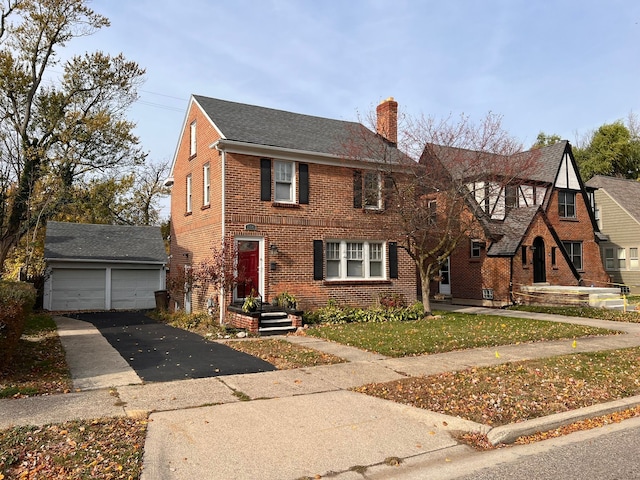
x=387, y=119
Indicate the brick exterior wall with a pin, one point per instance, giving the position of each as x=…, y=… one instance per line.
x=469, y=276
x=580, y=229
x=329, y=215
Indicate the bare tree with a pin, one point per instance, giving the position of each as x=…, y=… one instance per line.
x=441, y=176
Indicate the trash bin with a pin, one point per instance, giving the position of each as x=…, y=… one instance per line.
x=162, y=300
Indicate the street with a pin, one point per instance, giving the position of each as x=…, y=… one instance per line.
x=607, y=453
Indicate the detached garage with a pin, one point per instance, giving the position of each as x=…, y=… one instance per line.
x=103, y=267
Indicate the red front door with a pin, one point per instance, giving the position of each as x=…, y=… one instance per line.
x=248, y=263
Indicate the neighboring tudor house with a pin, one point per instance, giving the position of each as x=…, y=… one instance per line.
x=306, y=217
x=617, y=207
x=536, y=230
x=103, y=267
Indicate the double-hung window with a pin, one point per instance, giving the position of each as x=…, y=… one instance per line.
x=372, y=191
x=622, y=259
x=205, y=184
x=355, y=260
x=567, y=204
x=609, y=263
x=284, y=181
x=188, y=194
x=476, y=246
x=633, y=258
x=574, y=249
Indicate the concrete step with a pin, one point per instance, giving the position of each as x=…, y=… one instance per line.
x=281, y=330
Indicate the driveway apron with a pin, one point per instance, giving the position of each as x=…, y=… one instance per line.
x=161, y=353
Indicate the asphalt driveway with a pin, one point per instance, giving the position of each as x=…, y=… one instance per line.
x=161, y=353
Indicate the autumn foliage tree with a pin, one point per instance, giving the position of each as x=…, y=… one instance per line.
x=57, y=131
x=439, y=178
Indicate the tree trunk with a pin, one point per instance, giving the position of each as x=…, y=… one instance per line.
x=425, y=281
x=5, y=247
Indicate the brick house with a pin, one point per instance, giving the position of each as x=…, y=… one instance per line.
x=305, y=218
x=532, y=231
x=617, y=205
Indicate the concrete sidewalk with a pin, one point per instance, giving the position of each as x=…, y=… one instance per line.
x=300, y=423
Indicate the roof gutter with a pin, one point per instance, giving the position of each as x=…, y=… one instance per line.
x=89, y=260
x=291, y=154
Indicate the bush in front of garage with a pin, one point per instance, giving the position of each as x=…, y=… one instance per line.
x=16, y=301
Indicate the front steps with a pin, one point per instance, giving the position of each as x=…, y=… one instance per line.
x=267, y=320
x=275, y=323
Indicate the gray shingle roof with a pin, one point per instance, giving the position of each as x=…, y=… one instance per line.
x=541, y=164
x=512, y=231
x=623, y=191
x=278, y=128
x=117, y=243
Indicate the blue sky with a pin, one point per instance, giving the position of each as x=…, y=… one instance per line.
x=562, y=67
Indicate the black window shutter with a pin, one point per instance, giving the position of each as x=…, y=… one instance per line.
x=303, y=172
x=318, y=260
x=357, y=189
x=265, y=179
x=388, y=191
x=393, y=260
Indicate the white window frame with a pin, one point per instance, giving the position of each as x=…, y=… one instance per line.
x=621, y=259
x=206, y=184
x=369, y=193
x=280, y=181
x=634, y=263
x=340, y=253
x=192, y=139
x=189, y=193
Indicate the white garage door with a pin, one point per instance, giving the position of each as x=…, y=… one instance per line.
x=134, y=289
x=78, y=289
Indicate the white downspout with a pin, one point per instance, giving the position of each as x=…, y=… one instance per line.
x=221, y=300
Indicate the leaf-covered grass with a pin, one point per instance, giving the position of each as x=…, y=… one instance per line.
x=38, y=365
x=104, y=449
x=521, y=390
x=631, y=315
x=448, y=332
x=284, y=355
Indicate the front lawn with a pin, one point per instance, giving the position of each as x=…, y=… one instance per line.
x=523, y=390
x=107, y=448
x=38, y=366
x=448, y=332
x=282, y=354
x=631, y=315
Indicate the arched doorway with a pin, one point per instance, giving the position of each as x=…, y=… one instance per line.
x=539, y=266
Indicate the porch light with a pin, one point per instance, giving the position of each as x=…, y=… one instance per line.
x=273, y=248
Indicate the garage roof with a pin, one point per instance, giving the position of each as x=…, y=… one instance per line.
x=114, y=243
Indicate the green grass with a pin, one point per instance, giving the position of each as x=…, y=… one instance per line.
x=631, y=315
x=102, y=448
x=449, y=332
x=39, y=365
x=519, y=391
x=39, y=324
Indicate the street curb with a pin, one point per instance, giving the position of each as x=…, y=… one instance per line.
x=510, y=433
